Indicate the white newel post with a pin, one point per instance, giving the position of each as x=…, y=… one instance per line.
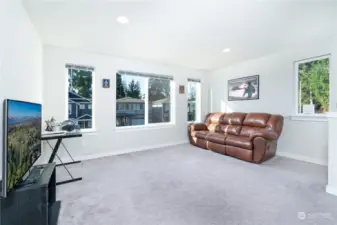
x=331, y=188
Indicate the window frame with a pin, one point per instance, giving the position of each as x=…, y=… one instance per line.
x=312, y=116
x=93, y=102
x=148, y=125
x=81, y=106
x=197, y=101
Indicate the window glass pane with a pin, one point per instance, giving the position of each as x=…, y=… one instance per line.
x=313, y=87
x=130, y=90
x=192, y=99
x=159, y=94
x=69, y=109
x=80, y=95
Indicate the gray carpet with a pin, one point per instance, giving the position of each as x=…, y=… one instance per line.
x=185, y=185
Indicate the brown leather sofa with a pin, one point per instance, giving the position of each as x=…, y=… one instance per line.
x=247, y=136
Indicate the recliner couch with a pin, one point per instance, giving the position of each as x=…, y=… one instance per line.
x=248, y=136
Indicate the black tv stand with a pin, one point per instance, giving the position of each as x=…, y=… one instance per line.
x=34, y=202
x=33, y=176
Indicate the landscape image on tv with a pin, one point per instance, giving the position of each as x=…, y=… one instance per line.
x=23, y=139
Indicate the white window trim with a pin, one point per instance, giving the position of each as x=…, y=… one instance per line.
x=93, y=94
x=197, y=101
x=315, y=116
x=147, y=125
x=309, y=117
x=152, y=126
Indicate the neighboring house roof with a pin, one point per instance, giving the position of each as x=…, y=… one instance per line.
x=162, y=101
x=129, y=100
x=77, y=98
x=84, y=117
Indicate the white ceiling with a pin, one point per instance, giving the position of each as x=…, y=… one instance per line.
x=191, y=33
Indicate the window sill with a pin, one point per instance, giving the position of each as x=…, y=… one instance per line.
x=145, y=127
x=190, y=122
x=309, y=117
x=88, y=131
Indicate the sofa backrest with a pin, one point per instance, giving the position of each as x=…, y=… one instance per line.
x=243, y=124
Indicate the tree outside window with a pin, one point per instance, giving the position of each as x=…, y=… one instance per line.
x=314, y=85
x=193, y=104
x=80, y=95
x=144, y=99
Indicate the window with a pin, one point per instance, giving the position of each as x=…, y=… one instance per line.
x=80, y=83
x=148, y=97
x=69, y=109
x=136, y=106
x=313, y=85
x=194, y=100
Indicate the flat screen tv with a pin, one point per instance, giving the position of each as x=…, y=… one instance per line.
x=22, y=144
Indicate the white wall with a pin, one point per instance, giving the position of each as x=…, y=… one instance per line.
x=300, y=139
x=20, y=56
x=106, y=140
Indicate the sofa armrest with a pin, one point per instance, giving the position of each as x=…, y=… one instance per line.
x=268, y=134
x=197, y=127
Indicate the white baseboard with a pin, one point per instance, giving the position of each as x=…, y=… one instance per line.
x=123, y=151
x=331, y=190
x=303, y=158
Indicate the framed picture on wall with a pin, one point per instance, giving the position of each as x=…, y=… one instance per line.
x=181, y=89
x=244, y=88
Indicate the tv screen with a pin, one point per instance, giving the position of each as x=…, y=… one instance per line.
x=22, y=133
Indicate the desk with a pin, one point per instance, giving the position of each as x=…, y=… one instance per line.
x=59, y=138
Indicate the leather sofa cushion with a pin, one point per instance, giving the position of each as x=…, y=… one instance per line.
x=213, y=127
x=216, y=147
x=230, y=129
x=240, y=153
x=216, y=138
x=214, y=118
x=199, y=134
x=239, y=141
x=248, y=131
x=256, y=119
x=233, y=119
x=197, y=126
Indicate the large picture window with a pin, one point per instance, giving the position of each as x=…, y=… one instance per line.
x=80, y=95
x=142, y=99
x=313, y=80
x=194, y=100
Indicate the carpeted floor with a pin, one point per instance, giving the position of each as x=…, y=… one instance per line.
x=185, y=185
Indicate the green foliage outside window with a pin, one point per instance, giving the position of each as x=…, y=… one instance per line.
x=314, y=84
x=80, y=82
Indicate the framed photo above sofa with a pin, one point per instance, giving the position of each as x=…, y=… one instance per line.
x=244, y=88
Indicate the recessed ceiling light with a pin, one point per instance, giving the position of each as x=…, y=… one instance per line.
x=122, y=20
x=226, y=50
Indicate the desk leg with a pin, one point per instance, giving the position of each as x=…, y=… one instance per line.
x=55, y=149
x=52, y=157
